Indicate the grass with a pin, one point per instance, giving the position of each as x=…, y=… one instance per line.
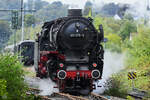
x=120, y=85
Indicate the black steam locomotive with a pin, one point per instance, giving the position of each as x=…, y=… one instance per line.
x=68, y=50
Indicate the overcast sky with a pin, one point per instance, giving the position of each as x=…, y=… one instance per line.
x=81, y=3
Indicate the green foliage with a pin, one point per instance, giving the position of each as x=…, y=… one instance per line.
x=29, y=33
x=52, y=11
x=115, y=25
x=111, y=29
x=3, y=91
x=101, y=20
x=139, y=57
x=114, y=43
x=121, y=27
x=29, y=20
x=139, y=46
x=127, y=28
x=13, y=77
x=115, y=87
x=137, y=51
x=128, y=17
x=130, y=98
x=44, y=10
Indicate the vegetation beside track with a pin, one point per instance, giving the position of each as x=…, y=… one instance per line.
x=137, y=50
x=12, y=85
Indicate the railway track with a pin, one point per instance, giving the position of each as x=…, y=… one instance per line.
x=69, y=97
x=36, y=92
x=65, y=96
x=97, y=97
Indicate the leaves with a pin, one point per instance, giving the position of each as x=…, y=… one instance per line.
x=29, y=20
x=127, y=28
x=139, y=56
x=12, y=73
x=3, y=91
x=114, y=42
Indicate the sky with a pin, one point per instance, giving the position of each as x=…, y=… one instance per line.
x=138, y=8
x=81, y=3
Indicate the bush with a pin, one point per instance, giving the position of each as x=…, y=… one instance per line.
x=130, y=98
x=127, y=28
x=139, y=58
x=3, y=91
x=11, y=77
x=114, y=43
x=115, y=87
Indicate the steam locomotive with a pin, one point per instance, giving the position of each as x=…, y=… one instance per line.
x=68, y=50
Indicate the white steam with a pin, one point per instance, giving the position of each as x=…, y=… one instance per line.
x=47, y=87
x=139, y=9
x=113, y=63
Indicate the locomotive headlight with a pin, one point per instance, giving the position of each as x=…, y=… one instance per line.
x=61, y=74
x=95, y=74
x=61, y=65
x=94, y=65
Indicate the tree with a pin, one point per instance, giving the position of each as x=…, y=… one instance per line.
x=39, y=4
x=5, y=32
x=87, y=8
x=127, y=28
x=8, y=4
x=110, y=9
x=29, y=20
x=114, y=42
x=12, y=78
x=128, y=17
x=52, y=11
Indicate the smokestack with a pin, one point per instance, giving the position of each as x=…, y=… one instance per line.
x=74, y=12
